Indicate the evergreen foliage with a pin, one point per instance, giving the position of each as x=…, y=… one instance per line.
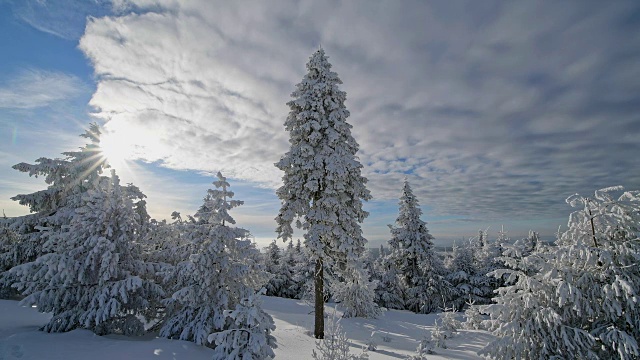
x=53, y=208
x=221, y=267
x=323, y=188
x=247, y=335
x=280, y=268
x=92, y=278
x=389, y=292
x=420, y=269
x=580, y=296
x=356, y=293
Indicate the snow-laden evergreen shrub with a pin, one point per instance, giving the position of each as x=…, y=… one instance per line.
x=461, y=272
x=389, y=292
x=247, y=333
x=9, y=240
x=449, y=321
x=474, y=319
x=580, y=296
x=439, y=336
x=356, y=293
x=425, y=348
x=280, y=266
x=335, y=345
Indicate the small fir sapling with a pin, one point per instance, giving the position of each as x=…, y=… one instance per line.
x=247, y=333
x=356, y=293
x=335, y=345
x=425, y=347
x=439, y=336
x=473, y=317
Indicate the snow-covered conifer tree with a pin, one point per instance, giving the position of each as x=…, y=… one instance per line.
x=289, y=262
x=280, y=265
x=9, y=240
x=486, y=259
x=473, y=317
x=581, y=298
x=217, y=203
x=357, y=293
x=247, y=334
x=420, y=269
x=164, y=243
x=53, y=208
x=323, y=187
x=94, y=278
x=223, y=267
x=425, y=347
x=461, y=271
x=389, y=292
x=303, y=276
x=273, y=262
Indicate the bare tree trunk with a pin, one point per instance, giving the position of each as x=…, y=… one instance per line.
x=318, y=332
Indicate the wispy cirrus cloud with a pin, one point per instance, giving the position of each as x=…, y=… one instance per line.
x=62, y=18
x=34, y=88
x=494, y=110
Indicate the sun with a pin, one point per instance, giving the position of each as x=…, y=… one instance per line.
x=116, y=149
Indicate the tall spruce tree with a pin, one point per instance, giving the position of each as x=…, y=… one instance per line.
x=323, y=187
x=420, y=269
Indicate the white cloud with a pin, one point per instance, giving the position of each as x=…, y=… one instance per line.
x=34, y=88
x=494, y=110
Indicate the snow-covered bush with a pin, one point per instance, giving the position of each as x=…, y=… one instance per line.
x=389, y=292
x=439, y=336
x=335, y=345
x=247, y=333
x=449, y=322
x=356, y=293
x=474, y=319
x=425, y=347
x=9, y=240
x=579, y=297
x=280, y=267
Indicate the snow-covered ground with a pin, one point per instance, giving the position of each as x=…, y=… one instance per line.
x=20, y=338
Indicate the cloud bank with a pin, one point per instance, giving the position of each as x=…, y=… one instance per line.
x=493, y=110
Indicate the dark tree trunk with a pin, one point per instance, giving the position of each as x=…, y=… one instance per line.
x=318, y=332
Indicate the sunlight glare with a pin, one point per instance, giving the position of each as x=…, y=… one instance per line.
x=117, y=148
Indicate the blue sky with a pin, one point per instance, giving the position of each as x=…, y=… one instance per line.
x=494, y=111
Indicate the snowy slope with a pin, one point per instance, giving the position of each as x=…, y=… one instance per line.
x=20, y=339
